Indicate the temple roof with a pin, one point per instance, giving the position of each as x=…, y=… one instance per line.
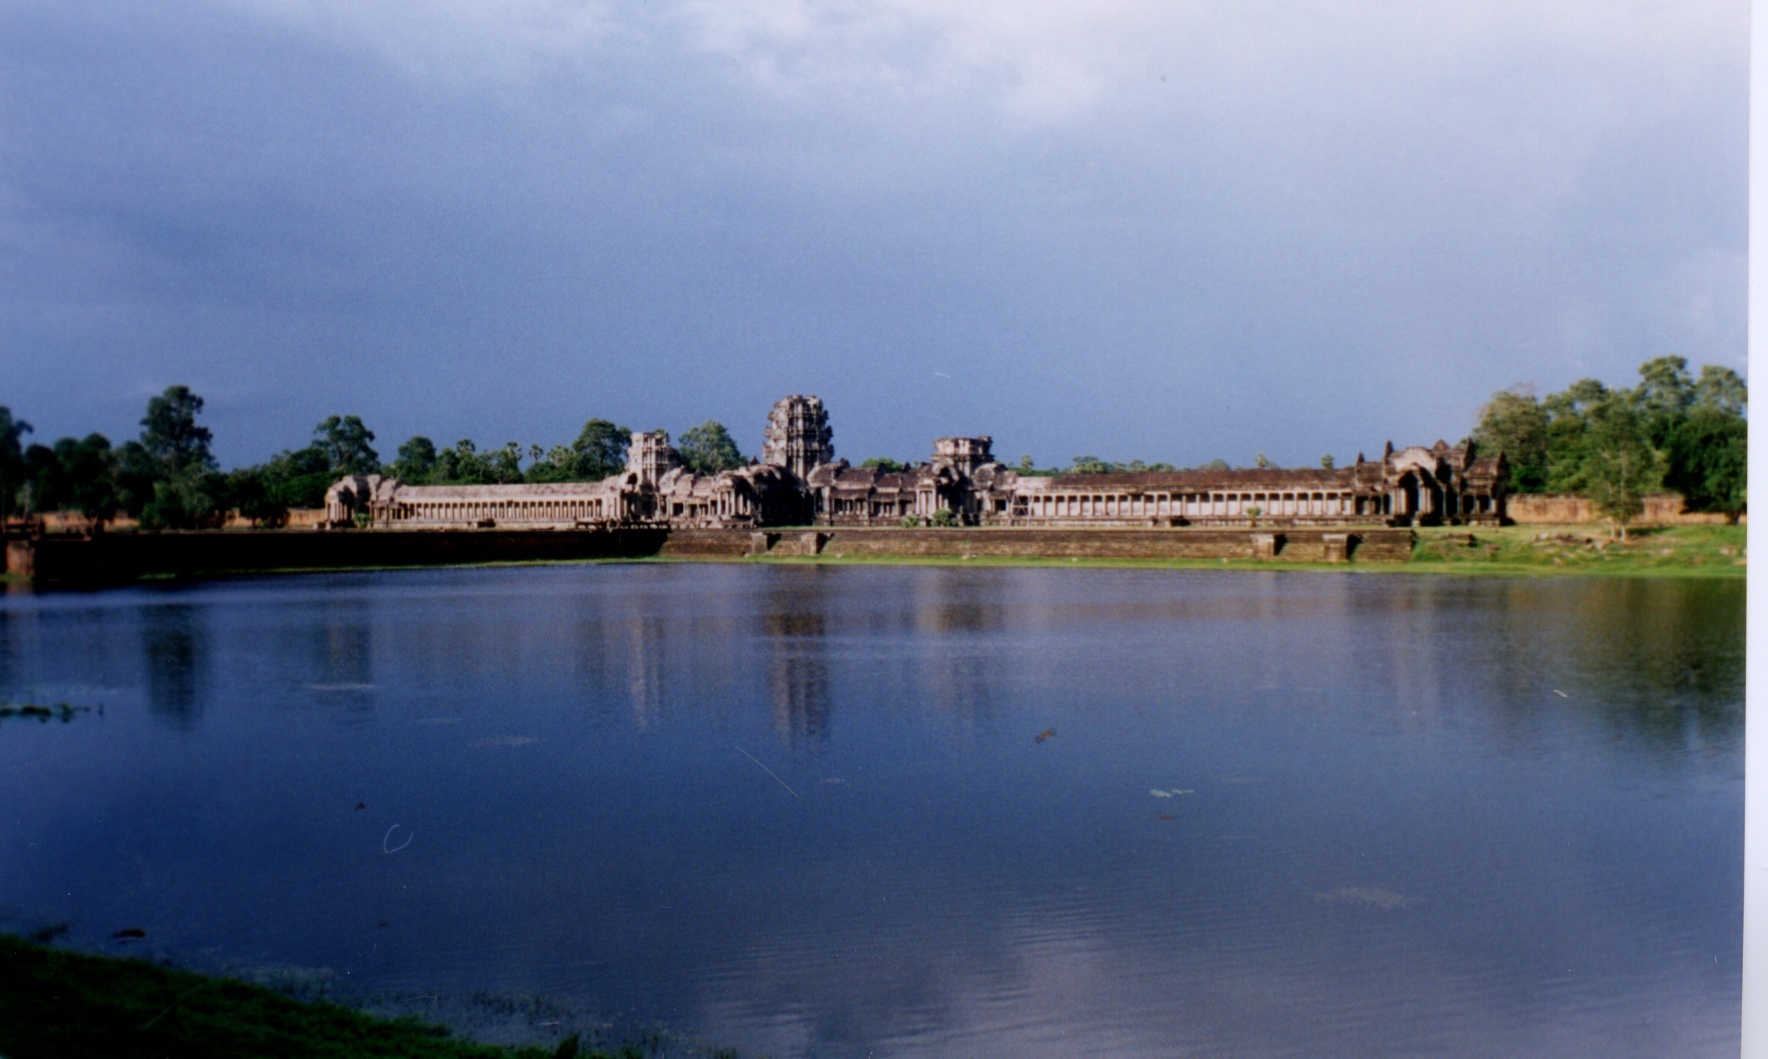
x=513, y=491
x=1180, y=481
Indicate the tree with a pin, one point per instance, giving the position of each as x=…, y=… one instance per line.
x=170, y=432
x=1515, y=423
x=137, y=469
x=1617, y=465
x=417, y=459
x=1708, y=461
x=709, y=448
x=1570, y=413
x=1263, y=464
x=12, y=459
x=461, y=465
x=1327, y=462
x=254, y=499
x=45, y=485
x=76, y=474
x=886, y=465
x=91, y=468
x=1721, y=390
x=296, y=478
x=599, y=451
x=554, y=465
x=504, y=465
x=345, y=442
x=193, y=497
x=1664, y=395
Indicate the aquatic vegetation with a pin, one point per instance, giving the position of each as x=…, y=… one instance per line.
x=74, y=1006
x=64, y=711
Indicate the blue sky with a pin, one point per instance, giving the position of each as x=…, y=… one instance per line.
x=1172, y=231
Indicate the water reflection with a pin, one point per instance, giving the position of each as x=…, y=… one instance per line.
x=949, y=600
x=11, y=629
x=340, y=662
x=175, y=643
x=1456, y=765
x=1659, y=662
x=645, y=649
x=794, y=624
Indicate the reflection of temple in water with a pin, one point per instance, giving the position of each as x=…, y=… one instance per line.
x=176, y=645
x=797, y=671
x=344, y=645
x=644, y=668
x=342, y=649
x=961, y=679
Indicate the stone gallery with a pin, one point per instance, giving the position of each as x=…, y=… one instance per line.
x=798, y=481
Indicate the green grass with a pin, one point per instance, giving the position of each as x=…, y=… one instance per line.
x=1666, y=551
x=1074, y=562
x=56, y=1004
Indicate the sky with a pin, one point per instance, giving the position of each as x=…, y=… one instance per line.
x=1169, y=231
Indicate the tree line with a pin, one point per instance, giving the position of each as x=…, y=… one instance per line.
x=1671, y=431
x=168, y=478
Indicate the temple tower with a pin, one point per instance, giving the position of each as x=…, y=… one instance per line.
x=963, y=455
x=650, y=456
x=798, y=435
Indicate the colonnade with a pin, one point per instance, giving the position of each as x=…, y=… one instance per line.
x=731, y=503
x=411, y=507
x=571, y=509
x=1211, y=504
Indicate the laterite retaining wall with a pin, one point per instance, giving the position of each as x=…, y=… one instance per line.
x=112, y=557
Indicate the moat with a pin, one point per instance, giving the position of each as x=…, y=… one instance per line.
x=842, y=810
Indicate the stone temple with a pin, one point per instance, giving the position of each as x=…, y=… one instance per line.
x=799, y=482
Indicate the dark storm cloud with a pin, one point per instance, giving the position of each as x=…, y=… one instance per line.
x=1172, y=233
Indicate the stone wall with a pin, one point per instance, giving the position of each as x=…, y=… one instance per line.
x=1294, y=545
x=74, y=522
x=706, y=544
x=114, y=557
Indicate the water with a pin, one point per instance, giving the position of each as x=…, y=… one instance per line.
x=806, y=811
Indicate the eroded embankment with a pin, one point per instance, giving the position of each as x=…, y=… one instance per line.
x=117, y=557
x=1303, y=545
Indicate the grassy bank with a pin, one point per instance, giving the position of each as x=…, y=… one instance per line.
x=1665, y=551
x=56, y=1004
